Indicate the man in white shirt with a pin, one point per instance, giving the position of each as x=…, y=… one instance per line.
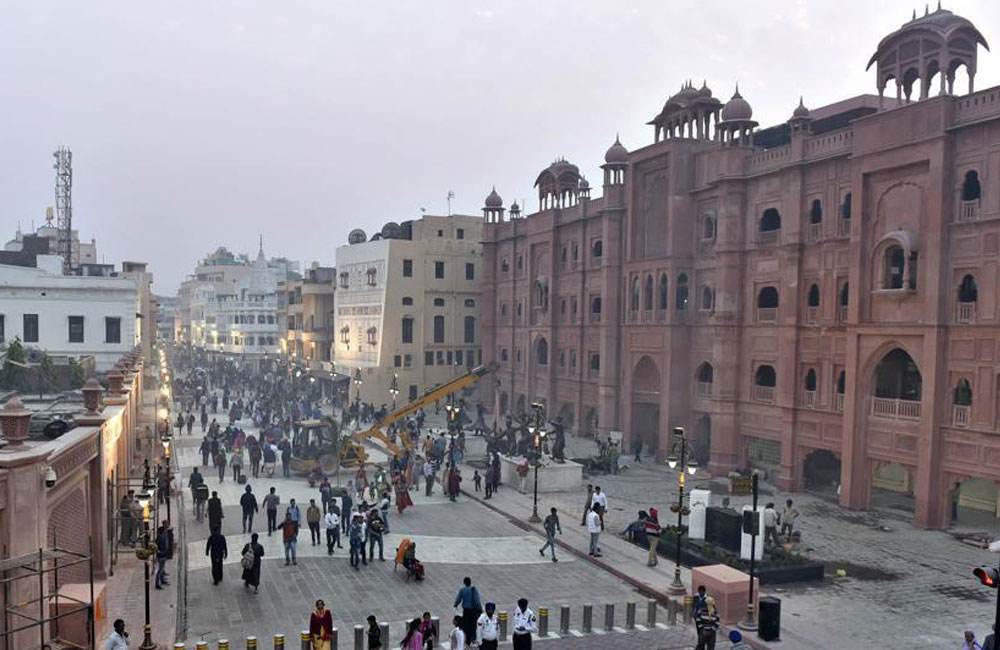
x=332, y=522
x=594, y=528
x=770, y=524
x=525, y=622
x=488, y=628
x=457, y=636
x=118, y=640
x=601, y=499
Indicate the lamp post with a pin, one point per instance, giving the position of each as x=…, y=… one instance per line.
x=537, y=432
x=357, y=400
x=166, y=462
x=394, y=390
x=689, y=464
x=144, y=555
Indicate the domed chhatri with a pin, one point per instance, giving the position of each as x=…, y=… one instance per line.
x=737, y=108
x=801, y=110
x=357, y=236
x=494, y=200
x=616, y=154
x=391, y=230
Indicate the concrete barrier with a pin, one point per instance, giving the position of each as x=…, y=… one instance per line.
x=672, y=612
x=629, y=616
x=609, y=616
x=543, y=621
x=651, y=605
x=385, y=634
x=359, y=637
x=502, y=618
x=564, y=619
x=588, y=619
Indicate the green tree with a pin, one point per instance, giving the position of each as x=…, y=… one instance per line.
x=78, y=376
x=47, y=380
x=14, y=375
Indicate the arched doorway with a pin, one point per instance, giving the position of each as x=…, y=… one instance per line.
x=893, y=488
x=702, y=441
x=973, y=502
x=646, y=404
x=821, y=472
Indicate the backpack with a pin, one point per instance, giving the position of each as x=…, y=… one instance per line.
x=248, y=557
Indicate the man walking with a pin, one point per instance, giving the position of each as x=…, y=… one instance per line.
x=788, y=516
x=356, y=535
x=164, y=543
x=551, y=525
x=118, y=639
x=289, y=536
x=218, y=551
x=770, y=525
x=525, y=622
x=332, y=521
x=271, y=502
x=249, y=504
x=468, y=598
x=346, y=503
x=600, y=499
x=588, y=505
x=313, y=516
x=375, y=529
x=594, y=528
x=293, y=511
x=215, y=512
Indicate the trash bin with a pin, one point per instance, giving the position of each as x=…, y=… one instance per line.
x=769, y=618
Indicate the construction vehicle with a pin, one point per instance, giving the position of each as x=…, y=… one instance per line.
x=431, y=396
x=318, y=444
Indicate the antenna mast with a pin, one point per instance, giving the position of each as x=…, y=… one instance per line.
x=64, y=205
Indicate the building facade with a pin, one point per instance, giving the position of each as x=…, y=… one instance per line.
x=407, y=306
x=803, y=298
x=309, y=313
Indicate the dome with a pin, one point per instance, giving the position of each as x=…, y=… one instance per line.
x=800, y=110
x=942, y=23
x=737, y=108
x=561, y=166
x=704, y=91
x=584, y=185
x=514, y=207
x=390, y=230
x=616, y=154
x=494, y=200
x=357, y=236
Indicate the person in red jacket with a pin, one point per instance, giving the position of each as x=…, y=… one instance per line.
x=321, y=627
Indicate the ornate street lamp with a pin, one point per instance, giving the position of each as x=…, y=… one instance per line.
x=144, y=554
x=357, y=400
x=680, y=455
x=394, y=390
x=537, y=432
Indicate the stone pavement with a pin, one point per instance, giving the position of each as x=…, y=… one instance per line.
x=454, y=540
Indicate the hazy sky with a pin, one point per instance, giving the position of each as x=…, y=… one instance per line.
x=200, y=123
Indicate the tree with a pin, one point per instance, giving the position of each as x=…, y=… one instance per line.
x=47, y=380
x=14, y=375
x=77, y=375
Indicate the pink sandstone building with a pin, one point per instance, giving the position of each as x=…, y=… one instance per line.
x=818, y=299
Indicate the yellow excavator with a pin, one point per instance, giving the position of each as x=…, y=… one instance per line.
x=431, y=396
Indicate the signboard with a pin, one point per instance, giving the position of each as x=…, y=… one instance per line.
x=741, y=485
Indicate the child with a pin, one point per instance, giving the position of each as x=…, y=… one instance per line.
x=374, y=633
x=477, y=479
x=428, y=631
x=457, y=636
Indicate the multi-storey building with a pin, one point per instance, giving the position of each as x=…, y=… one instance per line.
x=407, y=306
x=802, y=298
x=309, y=314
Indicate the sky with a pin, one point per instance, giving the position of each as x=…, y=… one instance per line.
x=200, y=123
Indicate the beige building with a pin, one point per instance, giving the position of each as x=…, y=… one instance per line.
x=407, y=304
x=309, y=315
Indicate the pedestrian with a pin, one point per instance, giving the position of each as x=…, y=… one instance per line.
x=163, y=551
x=525, y=622
x=413, y=640
x=321, y=627
x=356, y=537
x=190, y=422
x=522, y=474
x=638, y=449
x=770, y=517
x=488, y=628
x=313, y=517
x=375, y=529
x=250, y=561
x=477, y=480
x=430, y=469
x=551, y=525
x=374, y=633
x=271, y=502
x=332, y=521
x=588, y=505
x=286, y=455
x=220, y=464
x=248, y=502
x=653, y=530
x=325, y=494
x=699, y=602
x=970, y=642
x=218, y=551
x=346, y=503
x=457, y=637
x=383, y=509
x=594, y=528
x=194, y=480
x=472, y=605
x=206, y=451
x=289, y=537
x=706, y=624
x=255, y=456
x=215, y=512
x=428, y=631
x=293, y=510
x=600, y=499
x=237, y=463
x=789, y=514
x=118, y=639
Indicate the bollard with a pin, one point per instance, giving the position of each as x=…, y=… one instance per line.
x=279, y=642
x=564, y=619
x=688, y=608
x=630, y=616
x=251, y=643
x=223, y=644
x=609, y=616
x=359, y=637
x=201, y=645
x=179, y=646
x=306, y=640
x=502, y=618
x=651, y=613
x=672, y=612
x=333, y=639
x=543, y=621
x=588, y=619
x=385, y=634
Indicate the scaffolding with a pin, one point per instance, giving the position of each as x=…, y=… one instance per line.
x=46, y=563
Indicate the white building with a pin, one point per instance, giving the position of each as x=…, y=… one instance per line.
x=69, y=315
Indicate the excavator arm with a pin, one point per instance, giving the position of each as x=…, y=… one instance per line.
x=429, y=397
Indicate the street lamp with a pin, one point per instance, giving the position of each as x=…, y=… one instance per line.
x=144, y=554
x=357, y=400
x=166, y=462
x=394, y=390
x=686, y=463
x=537, y=432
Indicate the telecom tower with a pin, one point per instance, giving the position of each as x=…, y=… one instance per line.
x=64, y=205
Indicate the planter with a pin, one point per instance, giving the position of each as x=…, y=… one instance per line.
x=767, y=571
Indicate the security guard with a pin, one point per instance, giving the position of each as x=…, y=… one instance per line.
x=525, y=622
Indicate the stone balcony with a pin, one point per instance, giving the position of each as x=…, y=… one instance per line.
x=895, y=409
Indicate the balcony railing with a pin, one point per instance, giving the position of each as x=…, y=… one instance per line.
x=844, y=228
x=810, y=399
x=768, y=237
x=902, y=409
x=595, y=317
x=703, y=389
x=838, y=402
x=965, y=312
x=841, y=313
x=968, y=211
x=813, y=232
x=961, y=415
x=763, y=394
x=811, y=314
x=767, y=314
